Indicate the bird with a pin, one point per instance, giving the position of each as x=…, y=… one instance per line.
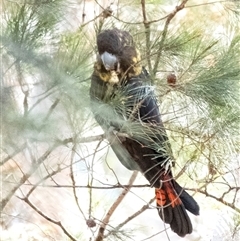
x=125, y=106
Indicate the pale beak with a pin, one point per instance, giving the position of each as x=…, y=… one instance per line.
x=109, y=61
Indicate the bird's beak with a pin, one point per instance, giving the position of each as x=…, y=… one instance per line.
x=109, y=61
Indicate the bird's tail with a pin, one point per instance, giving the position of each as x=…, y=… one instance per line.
x=172, y=202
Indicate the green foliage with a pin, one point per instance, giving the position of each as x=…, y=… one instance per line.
x=46, y=73
x=37, y=52
x=218, y=85
x=28, y=24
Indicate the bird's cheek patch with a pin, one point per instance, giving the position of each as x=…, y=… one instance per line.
x=114, y=78
x=134, y=60
x=138, y=55
x=105, y=77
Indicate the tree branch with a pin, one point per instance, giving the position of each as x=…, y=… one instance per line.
x=25, y=177
x=74, y=182
x=58, y=223
x=219, y=199
x=164, y=34
x=147, y=35
x=114, y=206
x=141, y=210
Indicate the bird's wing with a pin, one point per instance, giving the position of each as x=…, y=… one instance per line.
x=146, y=141
x=109, y=119
x=131, y=109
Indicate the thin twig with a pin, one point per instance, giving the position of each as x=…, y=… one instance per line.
x=141, y=210
x=90, y=180
x=147, y=35
x=51, y=109
x=164, y=34
x=14, y=153
x=58, y=223
x=74, y=182
x=43, y=179
x=25, y=177
x=110, y=212
x=219, y=199
x=108, y=186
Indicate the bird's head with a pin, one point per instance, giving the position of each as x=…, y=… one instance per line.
x=113, y=41
x=118, y=53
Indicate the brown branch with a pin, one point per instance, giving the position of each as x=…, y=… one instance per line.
x=141, y=210
x=164, y=34
x=83, y=14
x=110, y=212
x=106, y=12
x=92, y=20
x=82, y=139
x=147, y=36
x=96, y=187
x=43, y=179
x=140, y=22
x=51, y=109
x=23, y=85
x=58, y=223
x=74, y=183
x=206, y=3
x=25, y=177
x=90, y=180
x=25, y=102
x=219, y=199
x=144, y=12
x=10, y=156
x=154, y=235
x=48, y=92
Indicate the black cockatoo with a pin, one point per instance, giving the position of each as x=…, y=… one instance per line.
x=124, y=104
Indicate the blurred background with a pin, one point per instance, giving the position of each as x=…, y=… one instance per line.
x=60, y=180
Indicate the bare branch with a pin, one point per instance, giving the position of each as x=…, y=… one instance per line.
x=114, y=206
x=58, y=223
x=10, y=156
x=141, y=210
x=164, y=34
x=147, y=35
x=219, y=199
x=74, y=183
x=25, y=177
